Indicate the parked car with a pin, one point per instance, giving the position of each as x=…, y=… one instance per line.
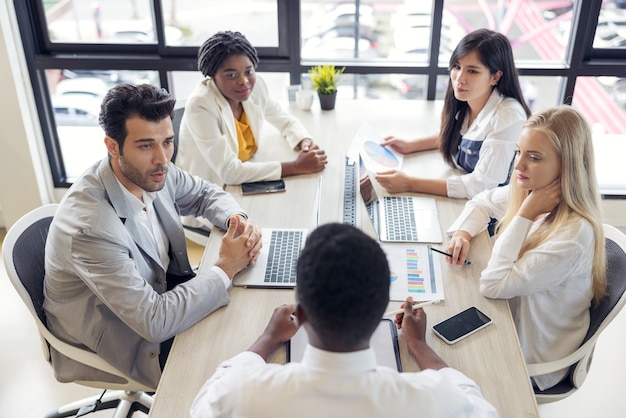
x=335, y=45
x=76, y=101
x=112, y=77
x=414, y=86
x=412, y=44
x=412, y=24
x=75, y=109
x=143, y=33
x=86, y=86
x=336, y=16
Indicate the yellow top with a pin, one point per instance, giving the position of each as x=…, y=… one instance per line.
x=245, y=138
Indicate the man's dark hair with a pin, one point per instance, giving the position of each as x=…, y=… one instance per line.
x=342, y=284
x=126, y=100
x=215, y=50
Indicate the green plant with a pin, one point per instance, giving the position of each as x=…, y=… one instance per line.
x=326, y=78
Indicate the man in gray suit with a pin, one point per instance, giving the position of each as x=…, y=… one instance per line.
x=118, y=280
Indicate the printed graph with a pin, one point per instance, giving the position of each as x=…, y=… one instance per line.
x=414, y=272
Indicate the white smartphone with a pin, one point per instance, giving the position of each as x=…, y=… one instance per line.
x=461, y=325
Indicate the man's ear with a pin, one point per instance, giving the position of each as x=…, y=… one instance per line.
x=112, y=146
x=300, y=314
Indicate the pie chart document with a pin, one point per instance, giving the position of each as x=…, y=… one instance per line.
x=375, y=157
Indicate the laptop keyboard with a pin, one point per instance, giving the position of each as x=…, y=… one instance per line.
x=400, y=220
x=283, y=256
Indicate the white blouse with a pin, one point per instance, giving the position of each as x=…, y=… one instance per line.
x=498, y=126
x=549, y=288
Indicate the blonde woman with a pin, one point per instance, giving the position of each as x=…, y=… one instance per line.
x=548, y=259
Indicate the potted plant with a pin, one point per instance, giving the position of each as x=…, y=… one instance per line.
x=325, y=80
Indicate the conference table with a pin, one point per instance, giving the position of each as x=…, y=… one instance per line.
x=492, y=357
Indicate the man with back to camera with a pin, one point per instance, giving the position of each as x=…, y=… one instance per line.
x=340, y=304
x=118, y=280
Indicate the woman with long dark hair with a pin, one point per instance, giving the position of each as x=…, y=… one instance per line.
x=482, y=117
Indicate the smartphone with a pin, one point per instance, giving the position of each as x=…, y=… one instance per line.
x=270, y=186
x=461, y=325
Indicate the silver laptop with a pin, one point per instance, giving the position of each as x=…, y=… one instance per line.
x=276, y=265
x=402, y=218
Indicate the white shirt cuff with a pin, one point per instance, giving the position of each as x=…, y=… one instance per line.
x=456, y=188
x=227, y=282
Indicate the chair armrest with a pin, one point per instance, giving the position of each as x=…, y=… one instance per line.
x=88, y=358
x=538, y=369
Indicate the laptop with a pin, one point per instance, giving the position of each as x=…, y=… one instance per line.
x=276, y=265
x=402, y=218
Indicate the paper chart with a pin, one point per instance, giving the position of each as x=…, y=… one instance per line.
x=414, y=272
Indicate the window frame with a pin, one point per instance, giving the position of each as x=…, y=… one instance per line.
x=42, y=54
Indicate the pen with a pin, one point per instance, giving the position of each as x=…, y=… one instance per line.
x=448, y=254
x=416, y=306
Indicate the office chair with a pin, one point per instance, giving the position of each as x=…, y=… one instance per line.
x=23, y=254
x=198, y=235
x=179, y=110
x=580, y=360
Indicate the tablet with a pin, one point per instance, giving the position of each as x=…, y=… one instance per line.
x=384, y=342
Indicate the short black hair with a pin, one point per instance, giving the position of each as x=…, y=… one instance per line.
x=126, y=100
x=342, y=284
x=215, y=50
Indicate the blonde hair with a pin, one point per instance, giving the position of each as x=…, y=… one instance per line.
x=570, y=135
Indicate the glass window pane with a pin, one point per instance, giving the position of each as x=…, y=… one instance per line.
x=411, y=23
x=611, y=29
x=330, y=30
x=409, y=86
x=198, y=20
x=112, y=21
x=538, y=30
x=76, y=96
x=549, y=88
x=602, y=101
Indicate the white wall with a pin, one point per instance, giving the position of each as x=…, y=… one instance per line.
x=24, y=176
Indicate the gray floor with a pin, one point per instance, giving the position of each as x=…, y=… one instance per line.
x=28, y=388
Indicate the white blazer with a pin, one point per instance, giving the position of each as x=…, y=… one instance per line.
x=208, y=144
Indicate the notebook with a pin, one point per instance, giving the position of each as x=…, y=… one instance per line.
x=402, y=218
x=384, y=342
x=276, y=265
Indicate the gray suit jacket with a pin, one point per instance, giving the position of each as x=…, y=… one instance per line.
x=105, y=287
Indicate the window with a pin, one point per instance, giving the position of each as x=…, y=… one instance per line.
x=392, y=49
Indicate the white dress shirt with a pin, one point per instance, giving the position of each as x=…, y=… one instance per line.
x=549, y=288
x=498, y=126
x=328, y=385
x=148, y=219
